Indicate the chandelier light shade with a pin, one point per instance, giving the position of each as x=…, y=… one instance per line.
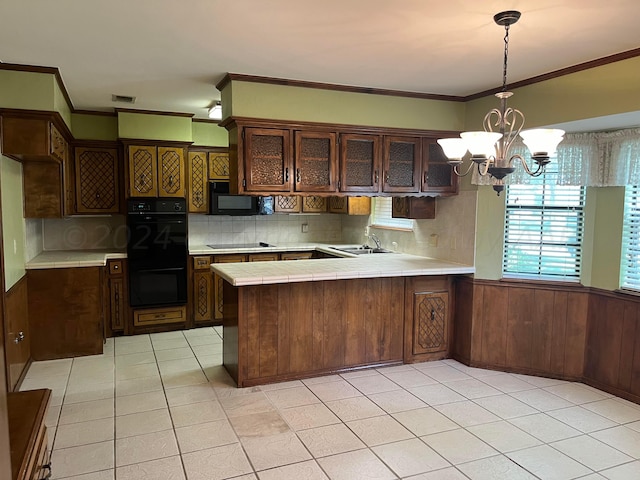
x=489, y=149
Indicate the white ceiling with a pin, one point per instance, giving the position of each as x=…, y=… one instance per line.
x=171, y=53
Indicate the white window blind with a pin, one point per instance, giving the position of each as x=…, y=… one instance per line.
x=381, y=216
x=543, y=230
x=630, y=259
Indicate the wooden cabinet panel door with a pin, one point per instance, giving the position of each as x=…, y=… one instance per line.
x=171, y=178
x=198, y=182
x=219, y=166
x=143, y=171
x=437, y=174
x=203, y=296
x=359, y=163
x=314, y=204
x=430, y=322
x=117, y=303
x=402, y=156
x=97, y=188
x=315, y=162
x=287, y=204
x=267, y=157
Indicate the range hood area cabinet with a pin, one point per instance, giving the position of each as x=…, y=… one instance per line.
x=271, y=157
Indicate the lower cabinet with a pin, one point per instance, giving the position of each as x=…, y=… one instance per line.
x=27, y=412
x=117, y=295
x=203, y=301
x=65, y=308
x=17, y=339
x=427, y=318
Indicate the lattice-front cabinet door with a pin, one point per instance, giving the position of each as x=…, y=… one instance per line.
x=171, y=176
x=267, y=160
x=315, y=162
x=203, y=296
x=430, y=322
x=287, y=204
x=142, y=171
x=219, y=166
x=314, y=204
x=402, y=164
x=360, y=163
x=338, y=205
x=198, y=183
x=97, y=187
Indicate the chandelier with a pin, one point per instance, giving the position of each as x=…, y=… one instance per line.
x=490, y=149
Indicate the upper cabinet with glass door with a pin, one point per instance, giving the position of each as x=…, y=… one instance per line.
x=267, y=160
x=315, y=162
x=402, y=156
x=437, y=174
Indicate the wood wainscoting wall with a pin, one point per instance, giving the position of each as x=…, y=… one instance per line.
x=550, y=329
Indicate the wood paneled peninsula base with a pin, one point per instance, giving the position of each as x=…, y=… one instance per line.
x=296, y=329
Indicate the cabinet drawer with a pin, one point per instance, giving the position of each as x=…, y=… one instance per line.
x=201, y=263
x=296, y=255
x=115, y=267
x=159, y=316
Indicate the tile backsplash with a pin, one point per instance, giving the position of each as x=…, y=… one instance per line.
x=85, y=233
x=33, y=239
x=210, y=229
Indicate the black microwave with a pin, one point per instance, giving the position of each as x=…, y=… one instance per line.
x=221, y=202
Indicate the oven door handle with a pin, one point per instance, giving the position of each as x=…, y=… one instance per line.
x=144, y=270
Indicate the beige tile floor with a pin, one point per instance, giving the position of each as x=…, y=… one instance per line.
x=161, y=406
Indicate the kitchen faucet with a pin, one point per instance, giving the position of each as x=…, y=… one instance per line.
x=375, y=239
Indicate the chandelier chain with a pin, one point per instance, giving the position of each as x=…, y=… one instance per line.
x=506, y=54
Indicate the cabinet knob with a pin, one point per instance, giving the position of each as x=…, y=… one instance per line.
x=19, y=338
x=298, y=175
x=170, y=180
x=286, y=175
x=116, y=267
x=375, y=174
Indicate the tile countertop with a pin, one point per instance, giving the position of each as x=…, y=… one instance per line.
x=362, y=266
x=281, y=247
x=73, y=259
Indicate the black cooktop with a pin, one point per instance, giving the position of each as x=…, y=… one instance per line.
x=240, y=245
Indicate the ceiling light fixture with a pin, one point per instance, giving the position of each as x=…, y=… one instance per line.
x=215, y=112
x=490, y=150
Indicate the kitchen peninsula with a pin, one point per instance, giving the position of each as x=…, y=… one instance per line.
x=294, y=319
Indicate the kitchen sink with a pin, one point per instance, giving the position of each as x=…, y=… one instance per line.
x=364, y=250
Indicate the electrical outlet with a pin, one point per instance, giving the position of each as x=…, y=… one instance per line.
x=15, y=247
x=454, y=243
x=433, y=240
x=366, y=231
x=305, y=228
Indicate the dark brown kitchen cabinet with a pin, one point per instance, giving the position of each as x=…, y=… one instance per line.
x=17, y=338
x=315, y=161
x=287, y=204
x=197, y=198
x=402, y=157
x=97, y=180
x=203, y=298
x=118, y=296
x=156, y=171
x=65, y=308
x=40, y=140
x=437, y=175
x=267, y=160
x=359, y=163
x=418, y=208
x=427, y=318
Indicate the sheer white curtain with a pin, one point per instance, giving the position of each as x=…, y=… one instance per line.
x=589, y=159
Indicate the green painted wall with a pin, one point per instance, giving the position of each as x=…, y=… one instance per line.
x=94, y=127
x=27, y=90
x=13, y=229
x=281, y=102
x=209, y=134
x=600, y=91
x=489, y=233
x=60, y=104
x=154, y=127
x=607, y=238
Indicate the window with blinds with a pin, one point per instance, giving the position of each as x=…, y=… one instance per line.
x=630, y=259
x=381, y=216
x=544, y=225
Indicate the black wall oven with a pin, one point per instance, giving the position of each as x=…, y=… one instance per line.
x=157, y=252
